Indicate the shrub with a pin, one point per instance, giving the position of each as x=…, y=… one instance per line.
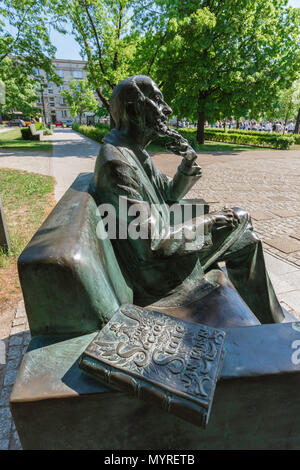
x=257, y=139
x=26, y=134
x=92, y=132
x=100, y=125
x=39, y=126
x=297, y=139
x=47, y=131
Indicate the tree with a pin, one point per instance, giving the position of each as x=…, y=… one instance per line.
x=80, y=97
x=215, y=59
x=104, y=31
x=25, y=47
x=19, y=90
x=24, y=34
x=286, y=105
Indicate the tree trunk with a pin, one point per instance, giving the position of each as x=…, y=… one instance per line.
x=80, y=117
x=200, y=127
x=297, y=126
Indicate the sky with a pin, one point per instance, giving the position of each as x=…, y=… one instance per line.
x=67, y=47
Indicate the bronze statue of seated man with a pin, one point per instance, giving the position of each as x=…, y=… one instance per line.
x=158, y=267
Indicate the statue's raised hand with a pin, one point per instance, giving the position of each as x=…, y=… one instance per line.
x=180, y=146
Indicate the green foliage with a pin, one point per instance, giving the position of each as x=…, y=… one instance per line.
x=80, y=97
x=297, y=139
x=24, y=47
x=13, y=139
x=26, y=134
x=19, y=90
x=100, y=125
x=261, y=140
x=92, y=132
x=218, y=59
x=47, y=131
x=277, y=141
x=286, y=104
x=106, y=35
x=24, y=34
x=243, y=132
x=25, y=198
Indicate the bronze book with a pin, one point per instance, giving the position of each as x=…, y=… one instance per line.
x=159, y=359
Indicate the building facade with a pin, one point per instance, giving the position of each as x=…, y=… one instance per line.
x=50, y=101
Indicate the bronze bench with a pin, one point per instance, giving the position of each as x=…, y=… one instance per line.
x=72, y=284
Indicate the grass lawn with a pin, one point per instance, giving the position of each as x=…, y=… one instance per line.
x=26, y=199
x=13, y=139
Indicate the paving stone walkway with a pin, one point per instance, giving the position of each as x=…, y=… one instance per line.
x=267, y=183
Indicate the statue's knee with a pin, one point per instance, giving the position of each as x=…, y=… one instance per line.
x=243, y=215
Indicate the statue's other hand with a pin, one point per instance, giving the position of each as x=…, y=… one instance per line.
x=225, y=218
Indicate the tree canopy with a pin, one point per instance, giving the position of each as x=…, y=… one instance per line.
x=80, y=97
x=25, y=46
x=221, y=58
x=105, y=32
x=24, y=34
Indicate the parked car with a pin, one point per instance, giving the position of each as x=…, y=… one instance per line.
x=59, y=124
x=69, y=122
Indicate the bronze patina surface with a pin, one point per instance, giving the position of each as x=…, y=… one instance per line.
x=74, y=282
x=4, y=239
x=159, y=359
x=155, y=267
x=55, y=405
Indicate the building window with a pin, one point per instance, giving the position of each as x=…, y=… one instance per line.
x=61, y=101
x=37, y=72
x=77, y=74
x=50, y=85
x=60, y=73
x=50, y=91
x=62, y=87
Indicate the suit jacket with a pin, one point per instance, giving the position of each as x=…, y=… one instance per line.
x=155, y=265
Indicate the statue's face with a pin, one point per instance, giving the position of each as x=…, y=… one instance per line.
x=157, y=110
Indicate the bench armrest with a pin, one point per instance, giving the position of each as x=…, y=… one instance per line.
x=71, y=281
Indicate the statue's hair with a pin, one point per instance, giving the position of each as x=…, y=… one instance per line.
x=130, y=90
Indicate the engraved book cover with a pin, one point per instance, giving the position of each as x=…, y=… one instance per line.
x=159, y=359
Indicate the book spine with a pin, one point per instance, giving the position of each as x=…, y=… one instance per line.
x=140, y=389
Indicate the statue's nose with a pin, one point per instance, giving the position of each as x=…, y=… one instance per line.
x=167, y=109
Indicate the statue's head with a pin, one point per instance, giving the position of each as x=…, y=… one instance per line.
x=138, y=102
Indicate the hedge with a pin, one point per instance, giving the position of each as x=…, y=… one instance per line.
x=26, y=134
x=94, y=133
x=276, y=141
x=242, y=131
x=297, y=138
x=257, y=139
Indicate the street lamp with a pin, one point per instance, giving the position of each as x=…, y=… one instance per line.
x=43, y=86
